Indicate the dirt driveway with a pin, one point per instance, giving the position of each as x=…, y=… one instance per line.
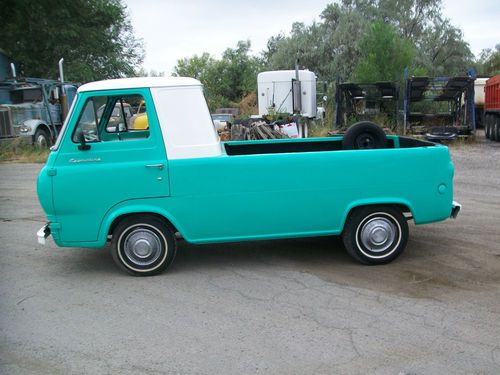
x=278, y=307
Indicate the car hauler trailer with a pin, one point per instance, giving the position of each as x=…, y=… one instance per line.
x=365, y=101
x=439, y=108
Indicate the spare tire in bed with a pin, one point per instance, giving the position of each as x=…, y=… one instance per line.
x=364, y=135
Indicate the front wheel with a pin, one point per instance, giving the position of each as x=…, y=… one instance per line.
x=375, y=234
x=143, y=245
x=42, y=138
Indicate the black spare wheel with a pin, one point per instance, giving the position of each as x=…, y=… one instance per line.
x=364, y=135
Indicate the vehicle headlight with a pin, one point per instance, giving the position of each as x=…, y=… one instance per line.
x=25, y=127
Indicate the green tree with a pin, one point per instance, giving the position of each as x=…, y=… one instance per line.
x=333, y=46
x=409, y=17
x=238, y=71
x=489, y=61
x=384, y=54
x=226, y=81
x=196, y=66
x=95, y=38
x=141, y=72
x=442, y=50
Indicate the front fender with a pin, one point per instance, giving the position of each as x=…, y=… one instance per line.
x=132, y=207
x=33, y=124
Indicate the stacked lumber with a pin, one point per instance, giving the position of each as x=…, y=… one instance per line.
x=257, y=130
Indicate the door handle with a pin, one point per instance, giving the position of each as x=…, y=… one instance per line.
x=159, y=166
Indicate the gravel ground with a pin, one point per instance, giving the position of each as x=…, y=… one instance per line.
x=275, y=307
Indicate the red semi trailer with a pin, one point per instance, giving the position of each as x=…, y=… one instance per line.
x=492, y=108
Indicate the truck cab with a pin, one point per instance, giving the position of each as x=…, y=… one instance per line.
x=106, y=180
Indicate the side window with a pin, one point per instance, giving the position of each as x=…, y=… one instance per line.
x=119, y=118
x=111, y=118
x=88, y=123
x=128, y=117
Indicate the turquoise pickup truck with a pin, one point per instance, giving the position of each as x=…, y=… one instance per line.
x=142, y=187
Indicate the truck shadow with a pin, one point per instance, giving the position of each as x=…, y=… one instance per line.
x=429, y=268
x=290, y=253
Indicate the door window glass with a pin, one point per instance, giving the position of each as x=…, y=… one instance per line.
x=106, y=118
x=129, y=116
x=88, y=123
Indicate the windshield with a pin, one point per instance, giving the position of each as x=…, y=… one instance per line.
x=26, y=95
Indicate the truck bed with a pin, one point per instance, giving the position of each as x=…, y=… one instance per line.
x=282, y=146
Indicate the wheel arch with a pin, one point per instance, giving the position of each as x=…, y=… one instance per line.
x=122, y=217
x=403, y=205
x=38, y=124
x=119, y=213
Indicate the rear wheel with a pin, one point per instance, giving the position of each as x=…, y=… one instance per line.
x=375, y=234
x=143, y=245
x=495, y=128
x=487, y=126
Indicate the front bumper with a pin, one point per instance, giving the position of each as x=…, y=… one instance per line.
x=455, y=209
x=43, y=233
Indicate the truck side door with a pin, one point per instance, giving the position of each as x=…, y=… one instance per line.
x=104, y=161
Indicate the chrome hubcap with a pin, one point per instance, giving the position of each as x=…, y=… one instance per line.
x=142, y=247
x=378, y=234
x=41, y=141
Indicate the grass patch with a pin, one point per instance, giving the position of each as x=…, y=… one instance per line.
x=318, y=129
x=18, y=151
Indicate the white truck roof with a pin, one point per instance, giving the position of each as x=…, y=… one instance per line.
x=186, y=124
x=139, y=82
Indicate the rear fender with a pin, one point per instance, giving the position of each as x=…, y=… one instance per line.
x=388, y=201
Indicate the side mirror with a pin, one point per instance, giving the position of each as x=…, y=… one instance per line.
x=83, y=146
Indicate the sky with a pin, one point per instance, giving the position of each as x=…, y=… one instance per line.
x=173, y=29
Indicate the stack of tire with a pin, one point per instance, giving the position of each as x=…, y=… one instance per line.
x=492, y=126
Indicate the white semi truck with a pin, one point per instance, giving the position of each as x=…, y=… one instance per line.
x=290, y=92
